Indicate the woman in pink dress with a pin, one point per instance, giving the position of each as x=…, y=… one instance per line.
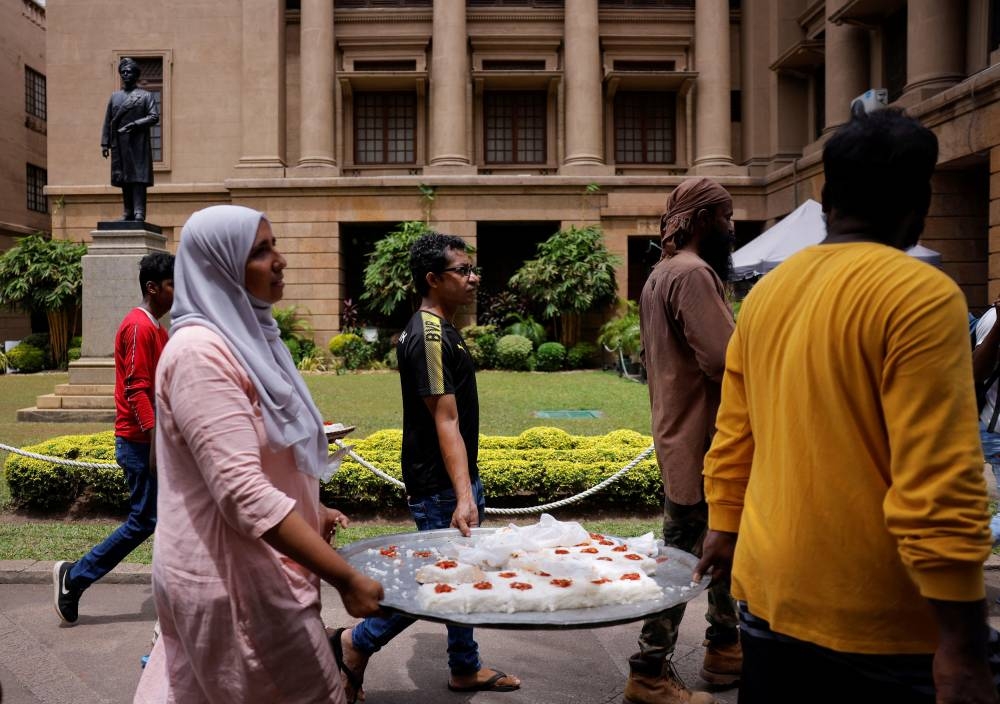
x=242, y=540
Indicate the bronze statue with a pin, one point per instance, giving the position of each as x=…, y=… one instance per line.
x=130, y=115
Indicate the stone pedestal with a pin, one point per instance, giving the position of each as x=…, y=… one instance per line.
x=110, y=291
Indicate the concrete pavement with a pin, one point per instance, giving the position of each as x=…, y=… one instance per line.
x=98, y=659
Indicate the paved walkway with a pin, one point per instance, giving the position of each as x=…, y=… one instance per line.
x=98, y=659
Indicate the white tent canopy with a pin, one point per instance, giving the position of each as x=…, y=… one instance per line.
x=803, y=227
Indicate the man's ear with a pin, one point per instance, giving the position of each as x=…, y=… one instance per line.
x=431, y=278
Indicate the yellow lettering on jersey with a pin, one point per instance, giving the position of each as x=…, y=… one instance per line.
x=432, y=353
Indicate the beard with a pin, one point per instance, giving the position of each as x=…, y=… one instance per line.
x=717, y=253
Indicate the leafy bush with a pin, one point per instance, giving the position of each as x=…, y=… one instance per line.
x=388, y=282
x=484, y=351
x=537, y=466
x=353, y=351
x=40, y=485
x=582, y=355
x=526, y=326
x=45, y=275
x=572, y=273
x=471, y=333
x=26, y=358
x=622, y=331
x=391, y=361
x=339, y=343
x=3, y=362
x=514, y=352
x=550, y=356
x=73, y=353
x=295, y=331
x=498, y=307
x=43, y=341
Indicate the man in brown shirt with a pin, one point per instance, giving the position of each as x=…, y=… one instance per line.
x=685, y=324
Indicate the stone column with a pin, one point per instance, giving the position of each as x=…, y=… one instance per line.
x=110, y=291
x=846, y=68
x=262, y=123
x=317, y=126
x=935, y=46
x=713, y=129
x=449, y=152
x=584, y=98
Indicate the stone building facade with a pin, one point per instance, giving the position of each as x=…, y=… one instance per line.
x=23, y=206
x=503, y=120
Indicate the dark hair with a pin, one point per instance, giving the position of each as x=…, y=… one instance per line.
x=878, y=168
x=156, y=267
x=429, y=254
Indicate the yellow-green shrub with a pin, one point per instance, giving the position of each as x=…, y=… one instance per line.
x=538, y=466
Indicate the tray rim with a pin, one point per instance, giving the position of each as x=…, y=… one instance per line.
x=477, y=619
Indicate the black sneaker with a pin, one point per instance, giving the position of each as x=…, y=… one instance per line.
x=67, y=598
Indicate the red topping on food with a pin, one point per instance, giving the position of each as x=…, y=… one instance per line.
x=632, y=576
x=389, y=551
x=606, y=559
x=582, y=545
x=507, y=575
x=661, y=559
x=520, y=585
x=483, y=585
x=602, y=580
x=590, y=551
x=562, y=551
x=422, y=553
x=596, y=536
x=446, y=564
x=443, y=588
x=606, y=542
x=544, y=574
x=561, y=583
x=633, y=556
x=620, y=548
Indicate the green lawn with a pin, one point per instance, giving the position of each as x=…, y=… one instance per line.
x=369, y=401
x=52, y=540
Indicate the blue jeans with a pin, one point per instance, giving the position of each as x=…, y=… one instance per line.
x=991, y=452
x=369, y=636
x=133, y=457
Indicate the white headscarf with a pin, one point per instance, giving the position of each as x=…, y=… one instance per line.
x=210, y=290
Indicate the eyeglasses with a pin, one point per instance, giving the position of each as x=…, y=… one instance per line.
x=465, y=270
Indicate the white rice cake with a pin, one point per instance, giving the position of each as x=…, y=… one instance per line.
x=449, y=572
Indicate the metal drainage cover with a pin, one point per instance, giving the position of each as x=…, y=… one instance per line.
x=564, y=415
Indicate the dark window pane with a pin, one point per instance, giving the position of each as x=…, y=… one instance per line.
x=37, y=177
x=34, y=93
x=385, y=127
x=645, y=128
x=514, y=127
x=151, y=79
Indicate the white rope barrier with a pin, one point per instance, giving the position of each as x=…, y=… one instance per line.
x=58, y=460
x=520, y=511
x=389, y=478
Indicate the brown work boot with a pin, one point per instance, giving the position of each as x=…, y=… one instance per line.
x=665, y=689
x=723, y=664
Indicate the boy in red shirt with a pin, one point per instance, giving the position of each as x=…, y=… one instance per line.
x=138, y=343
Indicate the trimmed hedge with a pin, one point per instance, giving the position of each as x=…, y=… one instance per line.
x=538, y=466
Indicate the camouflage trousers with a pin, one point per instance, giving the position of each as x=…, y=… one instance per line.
x=684, y=527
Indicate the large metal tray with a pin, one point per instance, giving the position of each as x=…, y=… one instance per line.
x=399, y=581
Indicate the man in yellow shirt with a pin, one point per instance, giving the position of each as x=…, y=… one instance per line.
x=847, y=457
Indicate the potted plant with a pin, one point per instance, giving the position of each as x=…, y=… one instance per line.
x=620, y=336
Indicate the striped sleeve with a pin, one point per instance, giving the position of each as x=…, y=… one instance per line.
x=433, y=376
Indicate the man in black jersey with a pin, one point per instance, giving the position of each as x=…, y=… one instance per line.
x=440, y=450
